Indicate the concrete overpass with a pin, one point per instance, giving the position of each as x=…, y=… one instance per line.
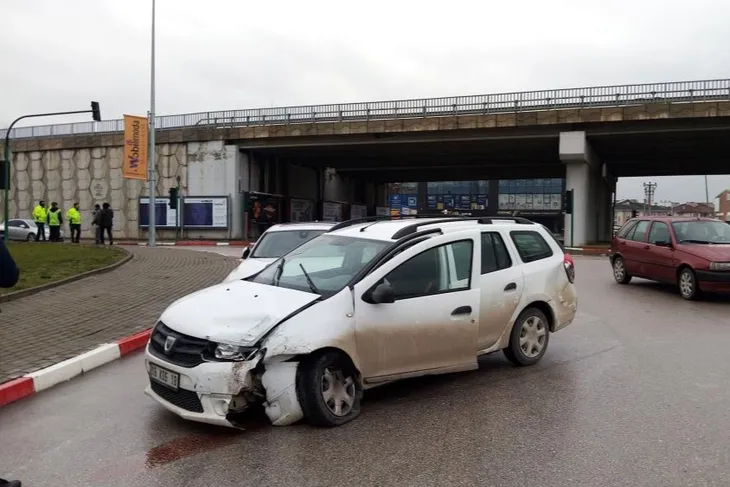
x=590, y=136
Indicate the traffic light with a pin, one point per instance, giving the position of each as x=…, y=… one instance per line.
x=568, y=201
x=95, y=111
x=173, y=198
x=3, y=182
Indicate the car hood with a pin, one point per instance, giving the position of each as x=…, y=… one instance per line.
x=238, y=312
x=248, y=267
x=713, y=253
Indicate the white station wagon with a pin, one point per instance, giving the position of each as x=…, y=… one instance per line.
x=276, y=241
x=364, y=304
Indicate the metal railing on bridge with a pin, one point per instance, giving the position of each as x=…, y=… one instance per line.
x=593, y=97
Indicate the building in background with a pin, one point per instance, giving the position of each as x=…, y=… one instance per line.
x=624, y=210
x=694, y=210
x=722, y=206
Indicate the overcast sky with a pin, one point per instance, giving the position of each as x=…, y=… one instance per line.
x=232, y=54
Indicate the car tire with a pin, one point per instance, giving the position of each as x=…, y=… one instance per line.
x=687, y=283
x=30, y=237
x=328, y=390
x=619, y=271
x=529, y=338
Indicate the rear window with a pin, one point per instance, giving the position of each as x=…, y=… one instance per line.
x=531, y=246
x=625, y=229
x=273, y=245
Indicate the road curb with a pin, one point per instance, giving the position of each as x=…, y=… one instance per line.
x=190, y=243
x=33, y=290
x=600, y=252
x=43, y=379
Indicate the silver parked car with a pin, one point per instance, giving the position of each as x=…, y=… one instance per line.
x=24, y=229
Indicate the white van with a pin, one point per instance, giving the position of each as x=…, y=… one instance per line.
x=359, y=306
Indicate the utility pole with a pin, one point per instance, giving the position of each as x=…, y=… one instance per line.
x=152, y=228
x=649, y=190
x=707, y=191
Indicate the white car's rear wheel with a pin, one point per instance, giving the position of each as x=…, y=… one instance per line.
x=529, y=338
x=328, y=390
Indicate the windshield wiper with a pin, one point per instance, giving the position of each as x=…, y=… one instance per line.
x=691, y=240
x=279, y=272
x=309, y=280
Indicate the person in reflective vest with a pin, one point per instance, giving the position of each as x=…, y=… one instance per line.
x=73, y=215
x=54, y=222
x=40, y=216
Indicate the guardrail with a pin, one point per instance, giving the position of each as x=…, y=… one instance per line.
x=599, y=96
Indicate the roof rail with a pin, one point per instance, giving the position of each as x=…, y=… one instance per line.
x=481, y=220
x=517, y=219
x=376, y=218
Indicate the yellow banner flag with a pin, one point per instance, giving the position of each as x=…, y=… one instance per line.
x=136, y=131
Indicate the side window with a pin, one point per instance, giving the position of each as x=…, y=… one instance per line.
x=659, y=233
x=639, y=233
x=531, y=246
x=495, y=256
x=427, y=273
x=14, y=223
x=626, y=229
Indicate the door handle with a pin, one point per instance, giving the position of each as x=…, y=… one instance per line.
x=623, y=243
x=510, y=287
x=461, y=310
x=646, y=247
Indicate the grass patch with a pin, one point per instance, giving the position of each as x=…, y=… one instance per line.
x=43, y=263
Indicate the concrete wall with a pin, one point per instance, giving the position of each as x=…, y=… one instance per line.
x=94, y=176
x=89, y=176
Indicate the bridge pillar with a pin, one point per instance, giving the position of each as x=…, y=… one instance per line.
x=583, y=176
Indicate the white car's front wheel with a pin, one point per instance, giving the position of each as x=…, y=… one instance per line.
x=328, y=390
x=529, y=338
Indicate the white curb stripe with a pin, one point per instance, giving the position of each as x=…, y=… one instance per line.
x=68, y=369
x=222, y=244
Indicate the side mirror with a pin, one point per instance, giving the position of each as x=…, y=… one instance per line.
x=382, y=294
x=246, y=253
x=663, y=243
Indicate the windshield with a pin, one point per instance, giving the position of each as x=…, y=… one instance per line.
x=323, y=265
x=702, y=232
x=275, y=244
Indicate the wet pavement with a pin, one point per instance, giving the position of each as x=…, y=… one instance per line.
x=633, y=393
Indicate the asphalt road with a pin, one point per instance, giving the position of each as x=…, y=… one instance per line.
x=633, y=393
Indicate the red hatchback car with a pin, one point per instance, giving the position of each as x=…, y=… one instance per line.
x=694, y=253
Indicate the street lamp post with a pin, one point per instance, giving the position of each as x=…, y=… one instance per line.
x=95, y=115
x=151, y=229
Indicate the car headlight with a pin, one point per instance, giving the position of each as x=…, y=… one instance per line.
x=720, y=266
x=224, y=351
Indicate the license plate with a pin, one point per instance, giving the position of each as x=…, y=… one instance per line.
x=165, y=377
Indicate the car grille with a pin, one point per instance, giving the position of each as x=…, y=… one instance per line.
x=186, y=352
x=187, y=400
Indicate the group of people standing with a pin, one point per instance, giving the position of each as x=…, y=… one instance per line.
x=102, y=220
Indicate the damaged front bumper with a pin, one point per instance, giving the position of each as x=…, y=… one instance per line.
x=215, y=392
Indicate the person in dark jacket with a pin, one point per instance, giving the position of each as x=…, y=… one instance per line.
x=96, y=223
x=9, y=276
x=107, y=222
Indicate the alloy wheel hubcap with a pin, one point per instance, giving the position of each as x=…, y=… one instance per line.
x=685, y=284
x=338, y=391
x=532, y=336
x=618, y=269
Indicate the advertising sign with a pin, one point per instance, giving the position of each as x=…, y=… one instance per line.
x=164, y=216
x=205, y=212
x=358, y=211
x=382, y=211
x=134, y=163
x=331, y=212
x=198, y=212
x=301, y=210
